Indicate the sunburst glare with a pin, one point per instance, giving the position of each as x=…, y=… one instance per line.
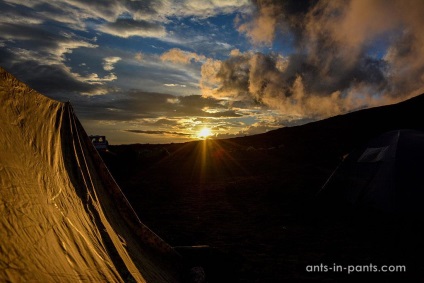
x=204, y=133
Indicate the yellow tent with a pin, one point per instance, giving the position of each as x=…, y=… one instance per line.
x=63, y=217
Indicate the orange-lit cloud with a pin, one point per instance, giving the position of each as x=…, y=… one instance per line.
x=176, y=55
x=209, y=81
x=269, y=81
x=332, y=69
x=261, y=29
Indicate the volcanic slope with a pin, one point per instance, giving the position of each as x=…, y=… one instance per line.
x=63, y=218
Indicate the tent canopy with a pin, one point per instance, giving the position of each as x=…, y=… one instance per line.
x=384, y=175
x=63, y=217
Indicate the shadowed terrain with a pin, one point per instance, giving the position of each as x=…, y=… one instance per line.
x=253, y=198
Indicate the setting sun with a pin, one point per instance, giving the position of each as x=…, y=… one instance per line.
x=204, y=133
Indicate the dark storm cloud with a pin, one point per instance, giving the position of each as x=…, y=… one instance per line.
x=28, y=32
x=36, y=54
x=51, y=80
x=334, y=67
x=12, y=15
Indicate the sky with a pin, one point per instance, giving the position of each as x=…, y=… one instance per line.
x=153, y=71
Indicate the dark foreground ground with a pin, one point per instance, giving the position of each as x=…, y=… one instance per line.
x=254, y=200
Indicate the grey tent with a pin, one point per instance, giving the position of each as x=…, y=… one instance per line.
x=385, y=175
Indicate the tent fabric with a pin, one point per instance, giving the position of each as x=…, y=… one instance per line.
x=63, y=217
x=383, y=175
x=373, y=154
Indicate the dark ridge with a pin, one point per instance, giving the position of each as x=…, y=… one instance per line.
x=253, y=198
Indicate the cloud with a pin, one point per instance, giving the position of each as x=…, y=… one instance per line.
x=227, y=113
x=39, y=57
x=152, y=132
x=165, y=122
x=175, y=85
x=109, y=10
x=49, y=32
x=339, y=62
x=51, y=80
x=128, y=27
x=205, y=9
x=209, y=81
x=121, y=18
x=108, y=63
x=12, y=15
x=292, y=87
x=134, y=105
x=261, y=29
x=359, y=25
x=125, y=18
x=46, y=50
x=178, y=56
x=139, y=56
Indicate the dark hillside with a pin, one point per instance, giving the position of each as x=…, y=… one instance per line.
x=253, y=198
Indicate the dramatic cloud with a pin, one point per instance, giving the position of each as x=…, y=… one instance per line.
x=39, y=58
x=53, y=80
x=338, y=63
x=291, y=87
